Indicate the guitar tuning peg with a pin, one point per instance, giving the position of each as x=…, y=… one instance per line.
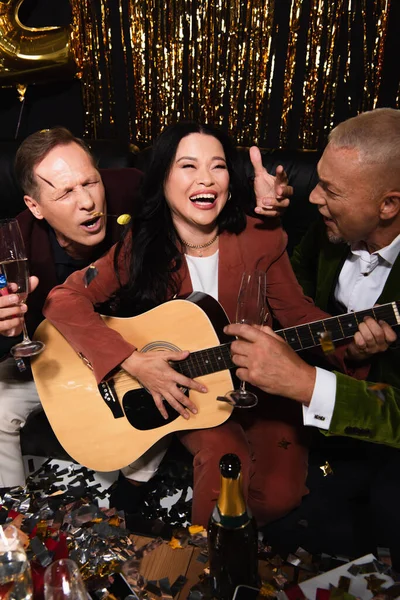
x=327, y=345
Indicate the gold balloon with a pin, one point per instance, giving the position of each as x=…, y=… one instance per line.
x=31, y=54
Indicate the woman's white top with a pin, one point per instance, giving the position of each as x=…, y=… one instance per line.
x=203, y=272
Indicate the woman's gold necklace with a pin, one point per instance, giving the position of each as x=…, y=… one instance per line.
x=200, y=247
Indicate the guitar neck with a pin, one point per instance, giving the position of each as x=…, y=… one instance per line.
x=301, y=337
x=204, y=362
x=340, y=328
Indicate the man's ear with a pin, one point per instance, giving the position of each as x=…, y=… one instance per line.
x=390, y=206
x=33, y=206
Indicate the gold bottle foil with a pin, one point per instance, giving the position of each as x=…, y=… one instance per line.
x=230, y=501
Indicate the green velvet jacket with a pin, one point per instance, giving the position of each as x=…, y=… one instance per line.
x=362, y=410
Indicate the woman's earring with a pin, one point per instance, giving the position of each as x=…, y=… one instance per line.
x=229, y=197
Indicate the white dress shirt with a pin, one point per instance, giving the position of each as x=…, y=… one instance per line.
x=360, y=283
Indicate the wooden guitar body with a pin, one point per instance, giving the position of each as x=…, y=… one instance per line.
x=108, y=429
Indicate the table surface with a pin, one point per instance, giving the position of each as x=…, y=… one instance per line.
x=164, y=561
x=167, y=562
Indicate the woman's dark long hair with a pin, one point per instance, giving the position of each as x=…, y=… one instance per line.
x=155, y=257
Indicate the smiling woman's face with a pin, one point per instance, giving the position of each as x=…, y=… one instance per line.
x=197, y=186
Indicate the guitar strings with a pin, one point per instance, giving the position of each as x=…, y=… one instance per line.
x=306, y=335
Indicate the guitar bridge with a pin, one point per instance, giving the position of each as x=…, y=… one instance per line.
x=108, y=393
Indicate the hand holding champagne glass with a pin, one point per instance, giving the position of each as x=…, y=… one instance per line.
x=14, y=273
x=251, y=309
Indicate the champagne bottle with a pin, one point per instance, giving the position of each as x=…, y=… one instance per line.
x=232, y=535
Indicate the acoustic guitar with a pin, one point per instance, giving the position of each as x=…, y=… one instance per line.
x=107, y=426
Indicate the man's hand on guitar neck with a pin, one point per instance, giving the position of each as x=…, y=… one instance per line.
x=268, y=362
x=372, y=337
x=153, y=371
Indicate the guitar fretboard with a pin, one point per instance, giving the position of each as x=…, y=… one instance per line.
x=341, y=327
x=204, y=362
x=301, y=337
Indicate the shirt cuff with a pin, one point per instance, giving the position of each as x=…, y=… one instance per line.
x=320, y=410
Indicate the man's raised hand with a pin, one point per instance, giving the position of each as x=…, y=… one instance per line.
x=272, y=192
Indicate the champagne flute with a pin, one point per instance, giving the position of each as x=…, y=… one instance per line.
x=15, y=571
x=14, y=268
x=63, y=581
x=250, y=309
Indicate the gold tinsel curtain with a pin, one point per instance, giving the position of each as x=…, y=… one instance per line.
x=272, y=72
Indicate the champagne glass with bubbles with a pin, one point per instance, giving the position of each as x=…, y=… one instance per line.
x=15, y=272
x=251, y=310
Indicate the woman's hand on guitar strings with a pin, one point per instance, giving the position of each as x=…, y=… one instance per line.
x=153, y=371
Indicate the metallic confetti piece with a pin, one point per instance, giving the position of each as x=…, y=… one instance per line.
x=40, y=552
x=203, y=558
x=90, y=273
x=303, y=554
x=165, y=587
x=374, y=584
x=174, y=544
x=378, y=390
x=20, y=364
x=384, y=556
x=267, y=590
x=124, y=219
x=368, y=567
x=41, y=529
x=327, y=345
x=193, y=529
x=293, y=560
x=284, y=444
x=153, y=589
x=178, y=585
x=344, y=583
x=303, y=523
x=280, y=580
x=149, y=547
x=326, y=469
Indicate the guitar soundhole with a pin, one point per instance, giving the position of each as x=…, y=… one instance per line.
x=142, y=413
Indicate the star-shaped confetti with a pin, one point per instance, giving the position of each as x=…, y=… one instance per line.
x=374, y=583
x=326, y=469
x=377, y=389
x=284, y=444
